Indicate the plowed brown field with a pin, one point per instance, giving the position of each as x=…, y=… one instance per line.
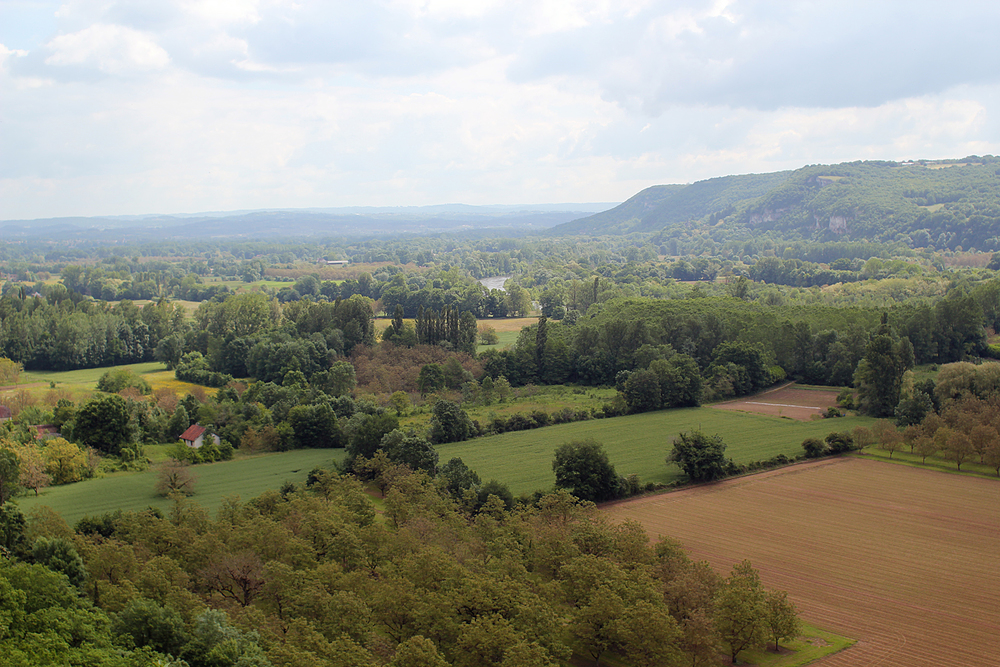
x=789, y=401
x=906, y=561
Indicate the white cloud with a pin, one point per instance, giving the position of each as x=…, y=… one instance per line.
x=137, y=107
x=112, y=49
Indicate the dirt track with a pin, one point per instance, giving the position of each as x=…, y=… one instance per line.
x=906, y=561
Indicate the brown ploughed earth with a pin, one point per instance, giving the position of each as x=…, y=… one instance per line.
x=789, y=401
x=905, y=561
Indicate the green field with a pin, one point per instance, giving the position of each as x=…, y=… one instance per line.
x=87, y=376
x=637, y=444
x=134, y=491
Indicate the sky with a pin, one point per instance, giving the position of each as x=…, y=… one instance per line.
x=134, y=107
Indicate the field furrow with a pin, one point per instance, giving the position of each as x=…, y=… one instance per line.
x=904, y=560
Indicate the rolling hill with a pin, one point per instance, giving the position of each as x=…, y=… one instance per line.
x=942, y=203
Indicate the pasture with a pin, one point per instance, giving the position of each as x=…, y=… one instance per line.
x=902, y=559
x=79, y=385
x=247, y=478
x=637, y=444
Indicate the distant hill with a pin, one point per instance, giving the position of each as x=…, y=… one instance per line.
x=944, y=203
x=280, y=223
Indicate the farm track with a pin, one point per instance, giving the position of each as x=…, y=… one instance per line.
x=901, y=559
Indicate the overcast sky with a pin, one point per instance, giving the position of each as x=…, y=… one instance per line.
x=168, y=106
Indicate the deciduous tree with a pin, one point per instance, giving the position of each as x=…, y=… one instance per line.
x=583, y=467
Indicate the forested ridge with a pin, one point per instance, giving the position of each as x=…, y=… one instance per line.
x=942, y=203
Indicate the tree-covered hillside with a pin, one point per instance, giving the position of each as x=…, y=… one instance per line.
x=945, y=204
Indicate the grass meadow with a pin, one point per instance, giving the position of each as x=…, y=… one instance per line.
x=247, y=478
x=637, y=444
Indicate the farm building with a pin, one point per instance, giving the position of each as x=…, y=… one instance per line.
x=45, y=431
x=4, y=413
x=194, y=436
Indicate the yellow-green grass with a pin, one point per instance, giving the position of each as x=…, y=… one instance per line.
x=811, y=645
x=246, y=478
x=82, y=381
x=638, y=444
x=970, y=466
x=87, y=376
x=505, y=339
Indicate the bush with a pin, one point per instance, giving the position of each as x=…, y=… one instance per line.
x=839, y=443
x=814, y=448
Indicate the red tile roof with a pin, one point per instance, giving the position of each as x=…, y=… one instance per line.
x=192, y=433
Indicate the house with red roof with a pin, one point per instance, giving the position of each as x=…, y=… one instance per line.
x=194, y=436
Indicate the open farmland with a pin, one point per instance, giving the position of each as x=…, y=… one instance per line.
x=246, y=478
x=904, y=560
x=790, y=400
x=637, y=443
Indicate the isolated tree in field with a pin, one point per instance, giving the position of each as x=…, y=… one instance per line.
x=701, y=457
x=583, y=467
x=175, y=477
x=741, y=610
x=782, y=617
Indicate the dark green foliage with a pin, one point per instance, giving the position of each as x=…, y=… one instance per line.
x=494, y=488
x=10, y=473
x=150, y=624
x=840, y=443
x=458, y=477
x=431, y=378
x=366, y=432
x=12, y=524
x=59, y=555
x=641, y=391
x=450, y=423
x=315, y=426
x=880, y=374
x=104, y=423
x=411, y=450
x=583, y=467
x=913, y=410
x=701, y=457
x=814, y=448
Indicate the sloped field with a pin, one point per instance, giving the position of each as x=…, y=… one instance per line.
x=905, y=560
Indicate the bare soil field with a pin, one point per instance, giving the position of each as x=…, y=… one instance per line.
x=789, y=401
x=906, y=561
